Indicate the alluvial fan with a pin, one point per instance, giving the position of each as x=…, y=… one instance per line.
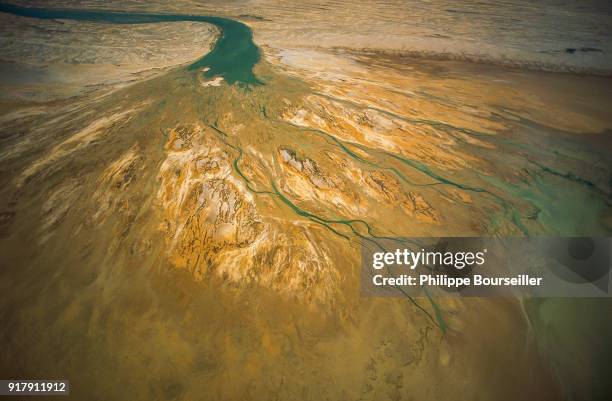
x=196, y=234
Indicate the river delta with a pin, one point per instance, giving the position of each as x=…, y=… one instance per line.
x=186, y=224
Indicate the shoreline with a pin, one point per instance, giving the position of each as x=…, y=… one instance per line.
x=232, y=56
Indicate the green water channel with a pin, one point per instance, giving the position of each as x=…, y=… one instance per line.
x=232, y=58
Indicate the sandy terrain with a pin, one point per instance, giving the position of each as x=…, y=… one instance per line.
x=547, y=34
x=42, y=60
x=181, y=238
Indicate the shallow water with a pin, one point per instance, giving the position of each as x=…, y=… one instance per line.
x=113, y=275
x=233, y=57
x=555, y=35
